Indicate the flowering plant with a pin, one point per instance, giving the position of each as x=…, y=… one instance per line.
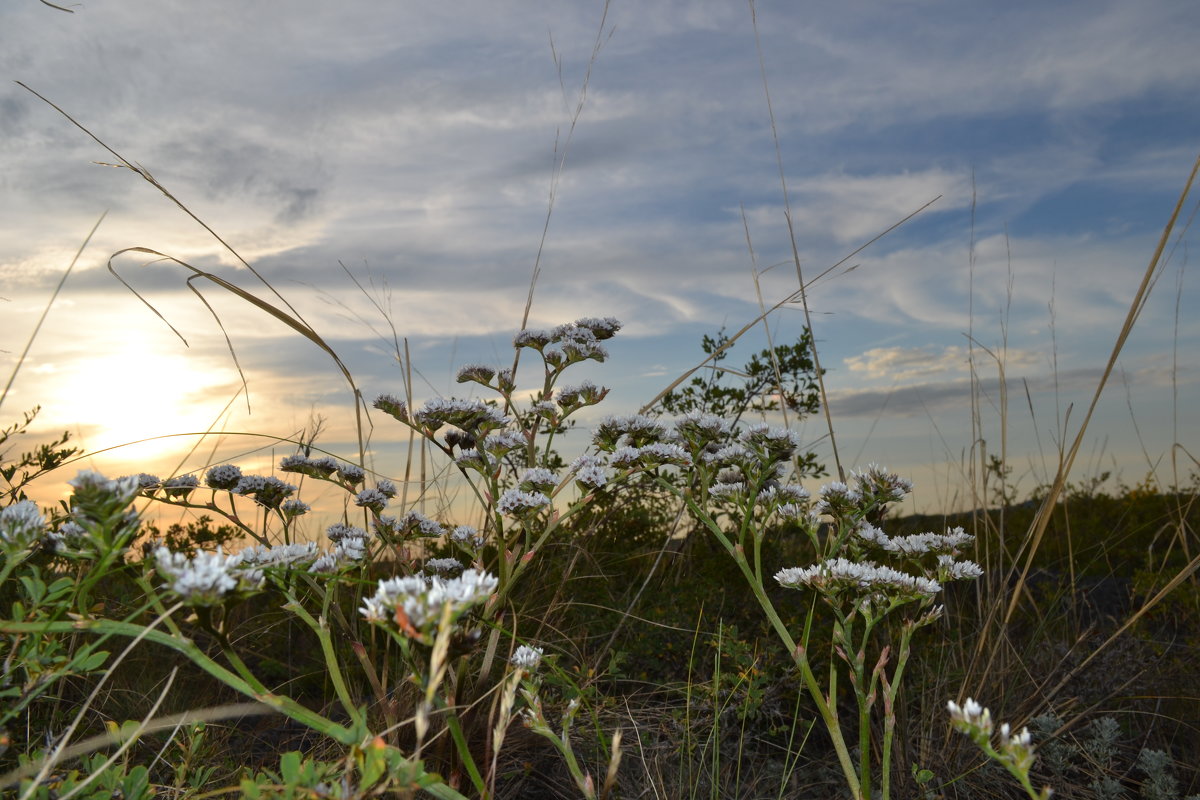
x=736, y=485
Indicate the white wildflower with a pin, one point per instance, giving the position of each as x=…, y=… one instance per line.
x=658, y=453
x=951, y=570
x=516, y=503
x=422, y=599
x=539, y=478
x=280, y=555
x=970, y=715
x=589, y=470
x=835, y=574
x=729, y=455
x=625, y=457
x=21, y=524
x=727, y=491
x=526, y=657
x=372, y=499
x=467, y=536
x=226, y=477
x=205, y=578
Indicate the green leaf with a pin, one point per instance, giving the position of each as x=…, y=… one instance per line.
x=136, y=784
x=93, y=661
x=59, y=588
x=289, y=768
x=35, y=588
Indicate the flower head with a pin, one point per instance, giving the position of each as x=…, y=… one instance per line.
x=147, y=482
x=179, y=485
x=225, y=477
x=21, y=524
x=516, y=503
x=878, y=486
x=313, y=467
x=838, y=499
x=538, y=479
x=340, y=530
x=467, y=536
x=443, y=565
x=417, y=602
x=835, y=575
x=280, y=555
x=390, y=404
x=269, y=492
x=774, y=444
x=700, y=429
x=294, y=508
x=372, y=499
x=479, y=373
x=601, y=328
x=537, y=338
x=473, y=416
x=587, y=393
x=351, y=474
x=589, y=471
x=205, y=578
x=634, y=430
x=526, y=657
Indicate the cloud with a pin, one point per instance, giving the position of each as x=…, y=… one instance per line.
x=907, y=364
x=417, y=145
x=954, y=395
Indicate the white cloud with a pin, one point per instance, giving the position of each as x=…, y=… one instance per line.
x=419, y=141
x=908, y=364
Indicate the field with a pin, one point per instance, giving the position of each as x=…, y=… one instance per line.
x=546, y=600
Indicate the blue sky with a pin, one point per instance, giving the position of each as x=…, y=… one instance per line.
x=416, y=143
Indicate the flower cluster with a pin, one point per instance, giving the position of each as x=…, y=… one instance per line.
x=322, y=467
x=443, y=565
x=571, y=398
x=205, y=579
x=916, y=544
x=390, y=404
x=417, y=602
x=269, y=492
x=412, y=523
x=538, y=479
x=21, y=525
x=280, y=555
x=836, y=575
x=224, y=477
x=99, y=497
x=527, y=658
x=570, y=343
x=632, y=431
x=589, y=472
x=350, y=544
x=517, y=503
x=180, y=486
x=848, y=506
x=974, y=720
x=468, y=537
x=877, y=486
x=473, y=416
x=479, y=373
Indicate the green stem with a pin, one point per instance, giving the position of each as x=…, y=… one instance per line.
x=282, y=704
x=799, y=654
x=321, y=629
x=891, y=692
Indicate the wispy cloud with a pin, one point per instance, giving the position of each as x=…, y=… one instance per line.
x=417, y=145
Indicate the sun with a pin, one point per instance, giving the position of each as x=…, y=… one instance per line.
x=132, y=402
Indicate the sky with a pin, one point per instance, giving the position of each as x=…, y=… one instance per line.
x=396, y=171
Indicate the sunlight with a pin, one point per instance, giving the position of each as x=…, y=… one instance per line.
x=129, y=395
